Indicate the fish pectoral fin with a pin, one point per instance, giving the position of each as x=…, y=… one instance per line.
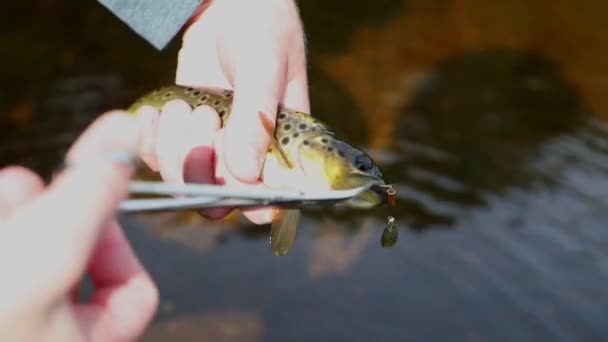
x=283, y=230
x=274, y=144
x=283, y=157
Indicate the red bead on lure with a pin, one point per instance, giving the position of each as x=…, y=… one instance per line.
x=391, y=195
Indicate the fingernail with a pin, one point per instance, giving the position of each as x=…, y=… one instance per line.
x=269, y=214
x=262, y=215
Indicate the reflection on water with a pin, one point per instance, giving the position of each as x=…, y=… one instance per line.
x=484, y=118
x=230, y=326
x=488, y=117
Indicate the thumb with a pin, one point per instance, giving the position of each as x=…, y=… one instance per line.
x=79, y=202
x=100, y=162
x=257, y=89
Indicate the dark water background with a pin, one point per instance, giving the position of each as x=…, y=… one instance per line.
x=490, y=117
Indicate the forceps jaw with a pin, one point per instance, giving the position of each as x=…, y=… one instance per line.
x=213, y=196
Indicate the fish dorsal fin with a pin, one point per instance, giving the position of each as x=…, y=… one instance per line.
x=269, y=128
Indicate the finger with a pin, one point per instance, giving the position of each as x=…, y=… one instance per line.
x=296, y=95
x=296, y=91
x=260, y=215
x=195, y=171
x=81, y=200
x=17, y=186
x=200, y=163
x=113, y=262
x=75, y=293
x=200, y=168
x=125, y=298
x=111, y=134
x=172, y=125
x=148, y=120
x=257, y=88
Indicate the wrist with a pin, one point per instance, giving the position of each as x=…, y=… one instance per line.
x=197, y=14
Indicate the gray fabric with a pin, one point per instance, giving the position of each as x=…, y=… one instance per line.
x=157, y=21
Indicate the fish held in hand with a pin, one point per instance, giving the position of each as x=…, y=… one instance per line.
x=304, y=155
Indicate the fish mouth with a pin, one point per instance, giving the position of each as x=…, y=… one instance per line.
x=379, y=190
x=365, y=179
x=375, y=195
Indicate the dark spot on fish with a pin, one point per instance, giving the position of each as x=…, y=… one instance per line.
x=205, y=98
x=285, y=141
x=305, y=142
x=222, y=113
x=302, y=126
x=189, y=90
x=287, y=127
x=216, y=103
x=196, y=93
x=324, y=140
x=295, y=135
x=330, y=149
x=167, y=95
x=341, y=154
x=282, y=116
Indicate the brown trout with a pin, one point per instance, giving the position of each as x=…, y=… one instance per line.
x=304, y=154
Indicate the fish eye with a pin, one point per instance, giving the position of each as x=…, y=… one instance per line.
x=363, y=163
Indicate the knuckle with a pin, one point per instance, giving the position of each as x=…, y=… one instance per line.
x=176, y=106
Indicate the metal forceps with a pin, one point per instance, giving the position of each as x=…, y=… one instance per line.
x=203, y=196
x=199, y=196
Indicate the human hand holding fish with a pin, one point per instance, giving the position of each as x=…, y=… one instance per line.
x=304, y=155
x=239, y=118
x=259, y=54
